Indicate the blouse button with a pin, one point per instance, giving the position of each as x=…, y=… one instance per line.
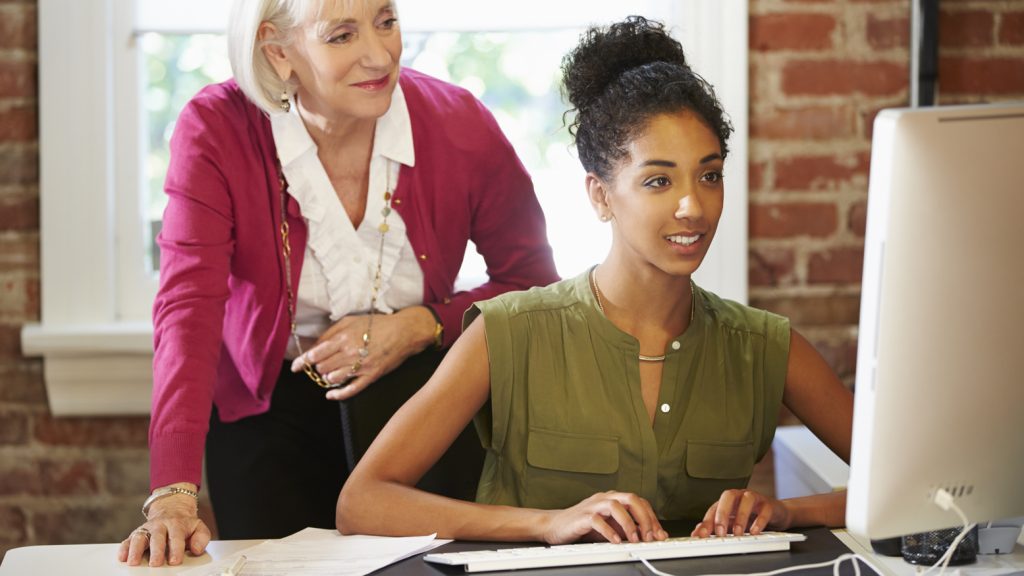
x=665, y=408
x=676, y=345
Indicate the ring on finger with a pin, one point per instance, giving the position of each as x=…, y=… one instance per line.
x=142, y=531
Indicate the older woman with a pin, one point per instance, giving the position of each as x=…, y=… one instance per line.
x=320, y=204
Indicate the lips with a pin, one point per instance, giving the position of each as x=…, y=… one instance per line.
x=688, y=244
x=375, y=84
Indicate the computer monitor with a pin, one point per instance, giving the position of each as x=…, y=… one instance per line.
x=939, y=400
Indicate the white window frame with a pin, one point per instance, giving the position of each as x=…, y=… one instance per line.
x=95, y=333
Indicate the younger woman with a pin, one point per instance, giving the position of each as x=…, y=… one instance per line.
x=627, y=395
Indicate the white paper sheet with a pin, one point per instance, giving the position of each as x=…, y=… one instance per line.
x=315, y=551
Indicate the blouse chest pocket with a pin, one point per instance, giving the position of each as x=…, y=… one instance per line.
x=710, y=468
x=564, y=468
x=719, y=460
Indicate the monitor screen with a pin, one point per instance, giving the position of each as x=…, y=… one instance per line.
x=939, y=400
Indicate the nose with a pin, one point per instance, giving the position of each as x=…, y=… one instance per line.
x=375, y=52
x=689, y=207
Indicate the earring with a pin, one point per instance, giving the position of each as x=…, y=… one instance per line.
x=605, y=217
x=285, y=102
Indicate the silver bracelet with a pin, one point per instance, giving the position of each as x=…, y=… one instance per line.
x=163, y=492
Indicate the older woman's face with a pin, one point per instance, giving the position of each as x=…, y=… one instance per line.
x=347, y=59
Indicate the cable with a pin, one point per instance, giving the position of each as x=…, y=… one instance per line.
x=836, y=563
x=943, y=499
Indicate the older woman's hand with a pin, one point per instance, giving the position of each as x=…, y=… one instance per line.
x=173, y=523
x=739, y=511
x=393, y=338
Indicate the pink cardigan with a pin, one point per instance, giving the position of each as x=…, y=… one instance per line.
x=220, y=318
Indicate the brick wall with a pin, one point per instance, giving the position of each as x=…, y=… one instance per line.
x=820, y=70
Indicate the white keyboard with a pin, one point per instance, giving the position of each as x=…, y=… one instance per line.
x=607, y=553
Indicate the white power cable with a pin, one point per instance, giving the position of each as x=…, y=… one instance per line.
x=834, y=563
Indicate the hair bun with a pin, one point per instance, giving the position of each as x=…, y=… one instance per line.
x=604, y=54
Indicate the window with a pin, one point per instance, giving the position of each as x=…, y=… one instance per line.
x=134, y=63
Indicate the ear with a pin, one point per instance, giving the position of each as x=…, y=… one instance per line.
x=597, y=191
x=272, y=44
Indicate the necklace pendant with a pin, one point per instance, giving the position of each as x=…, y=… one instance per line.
x=383, y=228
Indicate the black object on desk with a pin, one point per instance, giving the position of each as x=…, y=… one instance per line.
x=821, y=546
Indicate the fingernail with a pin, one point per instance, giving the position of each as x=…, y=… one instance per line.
x=297, y=364
x=649, y=536
x=737, y=530
x=719, y=530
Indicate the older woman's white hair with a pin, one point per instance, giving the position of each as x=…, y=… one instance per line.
x=251, y=69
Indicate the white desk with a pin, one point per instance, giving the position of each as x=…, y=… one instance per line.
x=101, y=559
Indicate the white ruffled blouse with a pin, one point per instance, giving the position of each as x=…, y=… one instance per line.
x=340, y=260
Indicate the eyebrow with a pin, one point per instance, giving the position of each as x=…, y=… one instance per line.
x=336, y=22
x=671, y=164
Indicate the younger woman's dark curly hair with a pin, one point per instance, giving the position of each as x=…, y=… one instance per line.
x=620, y=77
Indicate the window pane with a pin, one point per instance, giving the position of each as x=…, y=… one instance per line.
x=174, y=68
x=515, y=74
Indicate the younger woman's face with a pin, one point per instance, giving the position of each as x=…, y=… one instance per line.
x=666, y=196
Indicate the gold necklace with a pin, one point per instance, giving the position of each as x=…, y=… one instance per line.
x=383, y=228
x=600, y=306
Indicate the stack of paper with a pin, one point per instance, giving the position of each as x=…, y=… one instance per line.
x=317, y=551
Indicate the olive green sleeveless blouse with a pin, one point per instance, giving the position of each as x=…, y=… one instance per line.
x=565, y=418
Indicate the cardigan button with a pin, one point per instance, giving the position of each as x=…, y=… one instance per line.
x=423, y=256
x=396, y=201
x=447, y=300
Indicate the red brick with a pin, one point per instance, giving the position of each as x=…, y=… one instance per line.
x=813, y=311
x=19, y=296
x=804, y=123
x=840, y=355
x=822, y=172
x=19, y=212
x=91, y=524
x=756, y=176
x=771, y=266
x=1011, y=28
x=19, y=124
x=793, y=220
x=987, y=76
x=836, y=266
x=10, y=343
x=19, y=477
x=93, y=432
x=65, y=478
x=17, y=79
x=19, y=165
x=128, y=475
x=826, y=77
x=18, y=27
x=13, y=526
x=19, y=251
x=963, y=29
x=21, y=382
x=771, y=32
x=885, y=33
x=858, y=218
x=13, y=428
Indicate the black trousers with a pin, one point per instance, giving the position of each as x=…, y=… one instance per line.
x=276, y=473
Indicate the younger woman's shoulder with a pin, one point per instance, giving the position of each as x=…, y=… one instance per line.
x=731, y=315
x=552, y=298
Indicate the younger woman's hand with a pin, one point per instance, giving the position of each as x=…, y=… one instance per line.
x=611, y=516
x=740, y=511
